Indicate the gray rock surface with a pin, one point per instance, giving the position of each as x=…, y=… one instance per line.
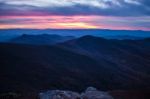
x=93, y=93
x=90, y=93
x=59, y=94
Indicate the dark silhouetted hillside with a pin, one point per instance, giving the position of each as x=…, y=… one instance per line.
x=127, y=60
x=76, y=64
x=33, y=68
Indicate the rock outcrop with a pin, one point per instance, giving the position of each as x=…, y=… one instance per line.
x=93, y=93
x=59, y=94
x=90, y=93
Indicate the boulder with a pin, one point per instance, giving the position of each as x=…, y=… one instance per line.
x=90, y=93
x=93, y=93
x=59, y=94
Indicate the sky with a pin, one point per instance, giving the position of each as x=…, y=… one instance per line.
x=75, y=14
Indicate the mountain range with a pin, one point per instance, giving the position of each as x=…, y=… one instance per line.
x=125, y=37
x=42, y=39
x=76, y=64
x=7, y=34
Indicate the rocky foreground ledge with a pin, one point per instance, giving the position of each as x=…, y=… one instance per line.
x=90, y=93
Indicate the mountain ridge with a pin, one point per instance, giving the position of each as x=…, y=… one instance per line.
x=41, y=39
x=78, y=63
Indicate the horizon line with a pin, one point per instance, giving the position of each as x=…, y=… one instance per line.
x=75, y=29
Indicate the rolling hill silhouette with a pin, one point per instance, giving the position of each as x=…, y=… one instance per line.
x=41, y=39
x=76, y=64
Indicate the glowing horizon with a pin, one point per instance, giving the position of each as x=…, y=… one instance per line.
x=71, y=22
x=75, y=14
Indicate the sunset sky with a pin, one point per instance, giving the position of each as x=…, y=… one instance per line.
x=75, y=14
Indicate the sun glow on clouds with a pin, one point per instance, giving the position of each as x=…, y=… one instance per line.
x=74, y=22
x=75, y=14
x=45, y=22
x=48, y=26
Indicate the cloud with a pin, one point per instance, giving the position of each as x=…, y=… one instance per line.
x=104, y=14
x=76, y=7
x=136, y=2
x=75, y=22
x=60, y=3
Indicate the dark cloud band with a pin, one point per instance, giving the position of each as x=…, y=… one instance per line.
x=99, y=7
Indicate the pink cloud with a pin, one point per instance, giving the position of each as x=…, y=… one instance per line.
x=73, y=22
